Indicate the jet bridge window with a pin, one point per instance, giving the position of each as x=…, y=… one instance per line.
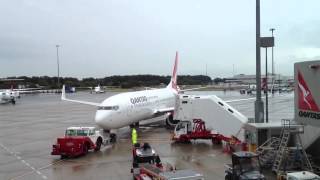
x=108, y=108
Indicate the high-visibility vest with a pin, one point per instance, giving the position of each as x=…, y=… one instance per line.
x=134, y=136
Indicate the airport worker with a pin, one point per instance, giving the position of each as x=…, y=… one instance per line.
x=134, y=136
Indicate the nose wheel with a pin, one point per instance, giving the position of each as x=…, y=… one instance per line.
x=113, y=138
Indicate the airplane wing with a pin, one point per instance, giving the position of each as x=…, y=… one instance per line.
x=162, y=111
x=63, y=97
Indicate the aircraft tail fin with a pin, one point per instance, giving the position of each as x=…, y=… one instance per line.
x=63, y=93
x=306, y=100
x=173, y=82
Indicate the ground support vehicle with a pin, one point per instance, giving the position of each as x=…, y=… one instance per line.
x=303, y=175
x=152, y=172
x=245, y=166
x=79, y=140
x=143, y=154
x=147, y=165
x=185, y=132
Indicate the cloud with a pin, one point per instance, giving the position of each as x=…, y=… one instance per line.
x=102, y=38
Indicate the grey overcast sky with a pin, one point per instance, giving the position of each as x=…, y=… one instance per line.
x=117, y=37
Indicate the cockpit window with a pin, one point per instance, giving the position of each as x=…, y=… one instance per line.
x=108, y=108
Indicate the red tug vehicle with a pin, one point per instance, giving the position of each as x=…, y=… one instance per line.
x=78, y=141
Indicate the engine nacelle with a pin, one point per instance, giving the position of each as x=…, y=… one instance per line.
x=170, y=122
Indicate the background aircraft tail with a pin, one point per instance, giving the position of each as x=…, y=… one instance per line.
x=173, y=82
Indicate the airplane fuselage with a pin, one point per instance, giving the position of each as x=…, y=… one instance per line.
x=7, y=96
x=128, y=108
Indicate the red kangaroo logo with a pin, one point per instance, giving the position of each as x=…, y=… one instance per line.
x=306, y=101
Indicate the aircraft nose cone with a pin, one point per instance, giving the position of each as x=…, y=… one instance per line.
x=101, y=119
x=100, y=116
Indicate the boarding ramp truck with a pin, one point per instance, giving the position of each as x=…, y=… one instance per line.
x=219, y=116
x=307, y=99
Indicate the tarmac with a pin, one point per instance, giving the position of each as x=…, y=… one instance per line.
x=30, y=128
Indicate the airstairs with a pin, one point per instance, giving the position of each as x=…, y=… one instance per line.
x=218, y=115
x=267, y=151
x=280, y=156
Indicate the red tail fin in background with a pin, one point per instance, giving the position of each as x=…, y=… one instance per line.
x=264, y=84
x=173, y=83
x=306, y=101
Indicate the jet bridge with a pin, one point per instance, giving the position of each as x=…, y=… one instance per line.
x=219, y=116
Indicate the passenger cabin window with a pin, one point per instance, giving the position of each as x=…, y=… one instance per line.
x=108, y=108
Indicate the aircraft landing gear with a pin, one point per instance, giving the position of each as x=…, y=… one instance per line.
x=134, y=125
x=113, y=138
x=13, y=101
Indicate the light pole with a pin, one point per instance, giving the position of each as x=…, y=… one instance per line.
x=259, y=115
x=206, y=69
x=57, y=46
x=233, y=70
x=272, y=29
x=267, y=42
x=267, y=89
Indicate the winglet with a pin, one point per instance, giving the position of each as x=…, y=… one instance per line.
x=63, y=93
x=173, y=82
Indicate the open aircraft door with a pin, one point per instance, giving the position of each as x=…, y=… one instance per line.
x=184, y=110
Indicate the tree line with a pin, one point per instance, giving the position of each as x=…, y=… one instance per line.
x=127, y=81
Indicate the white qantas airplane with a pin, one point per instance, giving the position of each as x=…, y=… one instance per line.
x=128, y=108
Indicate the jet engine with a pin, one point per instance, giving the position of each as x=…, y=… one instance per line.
x=170, y=122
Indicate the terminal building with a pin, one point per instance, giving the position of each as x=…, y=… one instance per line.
x=251, y=79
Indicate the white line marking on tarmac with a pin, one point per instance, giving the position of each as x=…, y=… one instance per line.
x=15, y=154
